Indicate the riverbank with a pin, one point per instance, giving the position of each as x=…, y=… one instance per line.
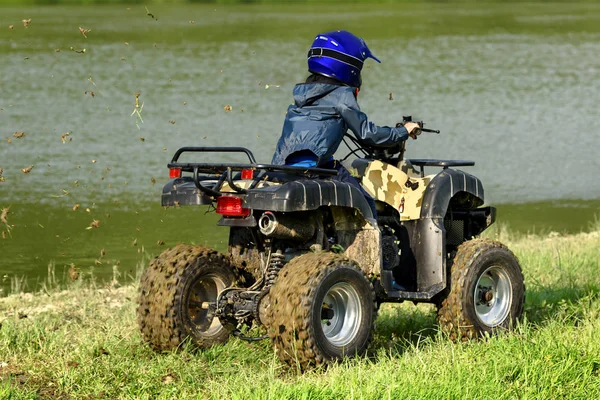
x=80, y=340
x=50, y=239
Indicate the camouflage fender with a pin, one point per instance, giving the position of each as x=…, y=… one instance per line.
x=386, y=183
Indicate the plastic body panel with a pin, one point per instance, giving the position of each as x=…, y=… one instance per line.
x=183, y=192
x=305, y=195
x=444, y=186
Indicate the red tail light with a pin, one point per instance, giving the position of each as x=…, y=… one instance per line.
x=174, y=173
x=230, y=206
x=247, y=174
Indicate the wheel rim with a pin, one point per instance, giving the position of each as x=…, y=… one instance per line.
x=493, y=296
x=341, y=314
x=202, y=302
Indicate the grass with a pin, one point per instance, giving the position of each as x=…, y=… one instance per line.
x=84, y=343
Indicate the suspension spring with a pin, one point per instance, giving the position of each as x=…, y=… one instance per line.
x=277, y=262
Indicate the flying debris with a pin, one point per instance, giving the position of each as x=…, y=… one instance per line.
x=148, y=13
x=84, y=31
x=4, y=214
x=73, y=272
x=137, y=110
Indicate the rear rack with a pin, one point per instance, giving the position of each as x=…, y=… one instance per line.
x=224, y=171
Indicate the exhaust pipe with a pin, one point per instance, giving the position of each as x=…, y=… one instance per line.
x=285, y=227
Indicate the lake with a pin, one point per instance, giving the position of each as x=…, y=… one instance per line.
x=513, y=87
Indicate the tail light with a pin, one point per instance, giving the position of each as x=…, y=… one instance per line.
x=231, y=206
x=247, y=174
x=174, y=173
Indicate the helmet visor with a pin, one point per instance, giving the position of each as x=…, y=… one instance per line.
x=367, y=52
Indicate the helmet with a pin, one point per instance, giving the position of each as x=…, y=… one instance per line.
x=339, y=55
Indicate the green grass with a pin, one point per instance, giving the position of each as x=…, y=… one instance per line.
x=84, y=343
x=250, y=1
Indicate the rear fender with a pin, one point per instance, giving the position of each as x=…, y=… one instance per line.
x=309, y=194
x=360, y=239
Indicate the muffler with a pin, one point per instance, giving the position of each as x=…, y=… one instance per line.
x=286, y=226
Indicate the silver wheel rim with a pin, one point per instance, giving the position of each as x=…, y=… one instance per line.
x=205, y=292
x=341, y=314
x=492, y=296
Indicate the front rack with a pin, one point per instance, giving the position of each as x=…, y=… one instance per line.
x=224, y=171
x=424, y=162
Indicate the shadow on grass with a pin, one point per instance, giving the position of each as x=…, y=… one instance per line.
x=400, y=326
x=550, y=302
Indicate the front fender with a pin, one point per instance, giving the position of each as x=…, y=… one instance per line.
x=444, y=186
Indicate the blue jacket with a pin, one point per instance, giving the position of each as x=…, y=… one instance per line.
x=320, y=117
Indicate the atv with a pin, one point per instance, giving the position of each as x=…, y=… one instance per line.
x=308, y=261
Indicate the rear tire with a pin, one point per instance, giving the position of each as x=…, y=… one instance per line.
x=322, y=309
x=487, y=292
x=174, y=293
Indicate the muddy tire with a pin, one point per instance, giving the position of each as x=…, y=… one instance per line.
x=487, y=292
x=322, y=309
x=244, y=253
x=171, y=294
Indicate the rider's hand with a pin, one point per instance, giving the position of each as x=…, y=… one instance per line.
x=413, y=129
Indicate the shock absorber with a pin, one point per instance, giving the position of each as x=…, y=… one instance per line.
x=276, y=263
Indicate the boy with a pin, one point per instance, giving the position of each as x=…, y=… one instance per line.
x=326, y=107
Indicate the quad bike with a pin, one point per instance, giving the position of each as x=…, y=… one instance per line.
x=308, y=262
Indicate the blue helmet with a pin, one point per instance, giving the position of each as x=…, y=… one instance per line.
x=339, y=55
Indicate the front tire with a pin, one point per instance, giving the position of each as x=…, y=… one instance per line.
x=322, y=309
x=487, y=292
x=174, y=297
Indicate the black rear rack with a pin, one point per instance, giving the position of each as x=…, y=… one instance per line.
x=182, y=150
x=224, y=171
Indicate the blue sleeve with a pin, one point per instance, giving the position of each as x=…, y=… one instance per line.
x=365, y=130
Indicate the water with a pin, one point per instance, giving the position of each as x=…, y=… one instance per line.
x=513, y=87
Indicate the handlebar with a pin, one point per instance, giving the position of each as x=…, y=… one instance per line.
x=421, y=124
